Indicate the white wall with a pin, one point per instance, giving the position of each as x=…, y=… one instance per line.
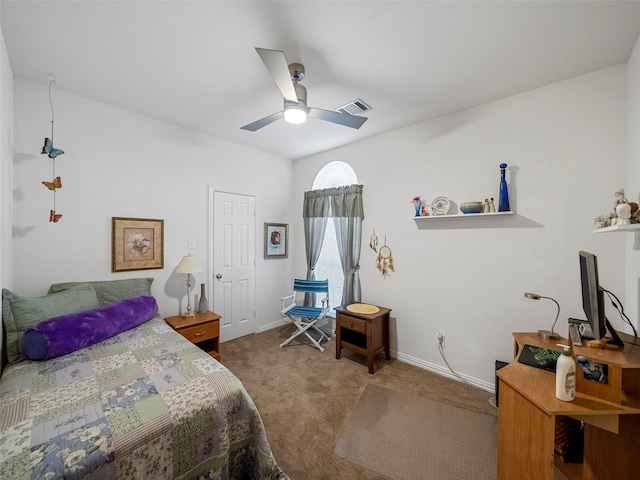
x=565, y=146
x=6, y=146
x=632, y=184
x=121, y=164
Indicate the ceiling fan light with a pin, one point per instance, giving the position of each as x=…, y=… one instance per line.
x=295, y=114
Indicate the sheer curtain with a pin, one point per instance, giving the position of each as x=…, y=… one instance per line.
x=344, y=204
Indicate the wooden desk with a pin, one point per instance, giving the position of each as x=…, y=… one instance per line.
x=202, y=330
x=610, y=412
x=362, y=333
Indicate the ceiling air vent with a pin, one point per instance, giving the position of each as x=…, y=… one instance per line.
x=355, y=107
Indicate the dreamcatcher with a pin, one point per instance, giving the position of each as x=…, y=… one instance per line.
x=384, y=260
x=52, y=153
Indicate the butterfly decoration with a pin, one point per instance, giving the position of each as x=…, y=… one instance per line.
x=49, y=150
x=54, y=217
x=57, y=183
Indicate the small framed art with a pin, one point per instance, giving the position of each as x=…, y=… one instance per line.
x=276, y=239
x=136, y=244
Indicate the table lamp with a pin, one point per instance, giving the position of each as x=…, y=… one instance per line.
x=188, y=265
x=546, y=334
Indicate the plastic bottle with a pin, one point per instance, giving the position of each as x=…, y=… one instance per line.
x=565, y=375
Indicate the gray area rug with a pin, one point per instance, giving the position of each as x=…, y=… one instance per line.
x=406, y=437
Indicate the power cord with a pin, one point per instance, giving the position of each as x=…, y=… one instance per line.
x=620, y=308
x=441, y=348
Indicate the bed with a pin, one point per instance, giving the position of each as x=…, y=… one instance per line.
x=143, y=403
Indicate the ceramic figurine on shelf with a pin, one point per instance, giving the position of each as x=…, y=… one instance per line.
x=424, y=212
x=492, y=206
x=485, y=206
x=622, y=208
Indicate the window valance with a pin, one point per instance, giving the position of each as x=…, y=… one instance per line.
x=334, y=202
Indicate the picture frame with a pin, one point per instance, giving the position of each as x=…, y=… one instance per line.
x=136, y=244
x=276, y=240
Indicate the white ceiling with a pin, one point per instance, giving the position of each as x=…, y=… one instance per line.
x=193, y=63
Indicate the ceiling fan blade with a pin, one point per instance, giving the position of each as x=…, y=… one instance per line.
x=263, y=122
x=276, y=63
x=345, y=119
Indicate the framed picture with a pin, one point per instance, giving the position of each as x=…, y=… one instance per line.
x=276, y=238
x=136, y=244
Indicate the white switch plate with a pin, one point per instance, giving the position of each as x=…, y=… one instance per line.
x=191, y=243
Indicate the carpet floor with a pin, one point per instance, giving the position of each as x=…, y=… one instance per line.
x=306, y=397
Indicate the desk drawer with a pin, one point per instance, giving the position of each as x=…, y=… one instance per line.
x=200, y=333
x=352, y=323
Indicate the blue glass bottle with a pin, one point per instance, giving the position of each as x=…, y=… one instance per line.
x=503, y=201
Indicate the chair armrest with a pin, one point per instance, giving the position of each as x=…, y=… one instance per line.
x=286, y=308
x=325, y=306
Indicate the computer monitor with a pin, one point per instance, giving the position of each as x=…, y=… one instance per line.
x=593, y=299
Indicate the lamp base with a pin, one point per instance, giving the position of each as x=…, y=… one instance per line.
x=548, y=334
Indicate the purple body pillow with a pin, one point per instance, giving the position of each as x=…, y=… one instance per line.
x=68, y=333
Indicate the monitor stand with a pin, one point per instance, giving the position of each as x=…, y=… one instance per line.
x=615, y=338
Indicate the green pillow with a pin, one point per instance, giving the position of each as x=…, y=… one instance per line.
x=111, y=291
x=21, y=313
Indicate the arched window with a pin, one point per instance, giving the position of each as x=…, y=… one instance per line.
x=334, y=174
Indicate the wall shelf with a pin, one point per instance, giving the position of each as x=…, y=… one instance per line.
x=618, y=228
x=463, y=215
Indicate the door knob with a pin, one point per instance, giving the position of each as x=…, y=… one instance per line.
x=218, y=276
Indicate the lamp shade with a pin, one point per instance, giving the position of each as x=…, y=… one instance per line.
x=188, y=264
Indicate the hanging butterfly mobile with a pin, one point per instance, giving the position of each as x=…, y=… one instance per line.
x=57, y=183
x=49, y=150
x=52, y=153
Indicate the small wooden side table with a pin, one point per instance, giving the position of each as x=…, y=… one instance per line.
x=362, y=333
x=202, y=330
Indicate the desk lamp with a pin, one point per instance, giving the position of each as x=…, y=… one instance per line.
x=188, y=265
x=546, y=334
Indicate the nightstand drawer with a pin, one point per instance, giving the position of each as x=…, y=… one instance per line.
x=352, y=323
x=200, y=333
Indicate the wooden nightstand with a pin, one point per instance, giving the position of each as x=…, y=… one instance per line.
x=362, y=333
x=202, y=330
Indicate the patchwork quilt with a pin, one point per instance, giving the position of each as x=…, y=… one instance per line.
x=144, y=404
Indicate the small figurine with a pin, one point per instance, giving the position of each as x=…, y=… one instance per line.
x=485, y=208
x=424, y=212
x=492, y=207
x=622, y=208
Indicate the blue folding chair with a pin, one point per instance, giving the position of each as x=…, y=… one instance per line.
x=305, y=318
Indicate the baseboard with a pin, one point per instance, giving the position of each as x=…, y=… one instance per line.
x=272, y=325
x=445, y=372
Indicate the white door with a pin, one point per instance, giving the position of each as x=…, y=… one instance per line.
x=234, y=233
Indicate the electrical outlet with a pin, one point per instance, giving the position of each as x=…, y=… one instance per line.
x=440, y=338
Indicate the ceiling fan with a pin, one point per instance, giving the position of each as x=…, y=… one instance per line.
x=287, y=78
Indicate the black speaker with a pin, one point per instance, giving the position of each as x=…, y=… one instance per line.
x=499, y=365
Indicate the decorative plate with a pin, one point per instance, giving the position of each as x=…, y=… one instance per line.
x=440, y=206
x=362, y=308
